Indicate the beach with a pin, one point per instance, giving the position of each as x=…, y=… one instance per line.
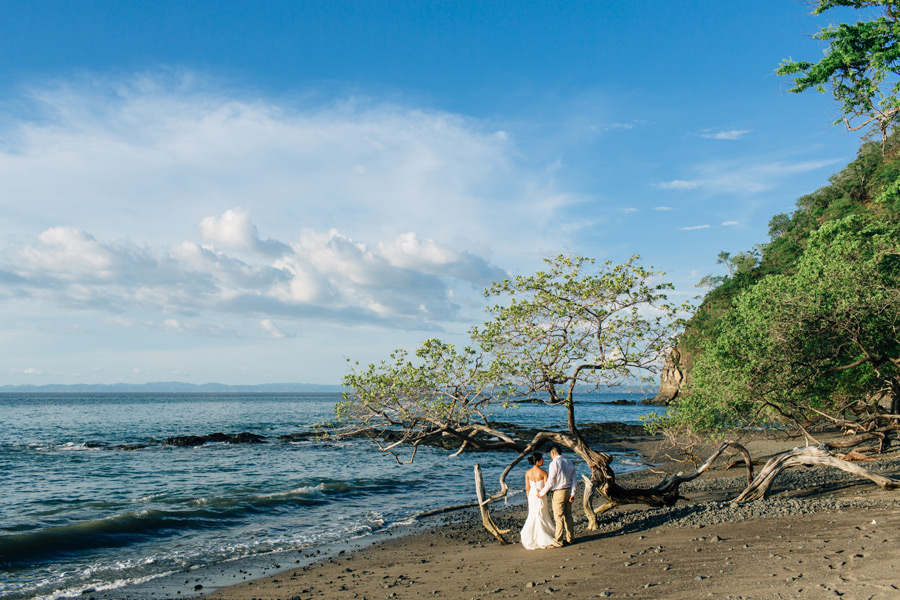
x=822, y=533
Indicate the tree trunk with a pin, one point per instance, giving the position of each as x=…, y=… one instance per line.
x=486, y=518
x=665, y=493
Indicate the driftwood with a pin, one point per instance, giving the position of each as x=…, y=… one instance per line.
x=486, y=518
x=665, y=493
x=808, y=456
x=881, y=434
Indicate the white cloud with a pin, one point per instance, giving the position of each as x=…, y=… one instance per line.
x=172, y=325
x=272, y=329
x=68, y=253
x=631, y=209
x=744, y=177
x=405, y=281
x=173, y=202
x=663, y=208
x=152, y=157
x=730, y=223
x=679, y=184
x=733, y=134
x=234, y=230
x=615, y=126
x=694, y=227
x=27, y=371
x=408, y=252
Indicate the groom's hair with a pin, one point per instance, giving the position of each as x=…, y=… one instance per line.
x=555, y=448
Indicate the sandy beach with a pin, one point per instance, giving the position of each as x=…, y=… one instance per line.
x=821, y=534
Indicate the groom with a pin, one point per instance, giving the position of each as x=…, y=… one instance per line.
x=561, y=483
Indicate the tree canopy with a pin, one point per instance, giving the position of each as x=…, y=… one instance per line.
x=565, y=326
x=560, y=331
x=861, y=65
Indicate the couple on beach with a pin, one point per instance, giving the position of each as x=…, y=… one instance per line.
x=559, y=484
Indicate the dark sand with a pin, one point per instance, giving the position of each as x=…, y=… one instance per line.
x=821, y=534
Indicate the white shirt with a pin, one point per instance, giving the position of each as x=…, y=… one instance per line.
x=560, y=475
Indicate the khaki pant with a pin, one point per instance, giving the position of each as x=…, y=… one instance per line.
x=562, y=516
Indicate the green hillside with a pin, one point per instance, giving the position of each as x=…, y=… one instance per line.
x=804, y=328
x=868, y=187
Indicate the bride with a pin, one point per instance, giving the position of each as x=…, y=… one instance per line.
x=538, y=529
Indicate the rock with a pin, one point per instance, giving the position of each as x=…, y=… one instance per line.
x=670, y=378
x=185, y=441
x=246, y=438
x=230, y=438
x=130, y=446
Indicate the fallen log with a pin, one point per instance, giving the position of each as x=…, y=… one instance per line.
x=809, y=456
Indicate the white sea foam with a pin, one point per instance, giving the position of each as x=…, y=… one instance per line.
x=306, y=490
x=149, y=498
x=74, y=447
x=75, y=592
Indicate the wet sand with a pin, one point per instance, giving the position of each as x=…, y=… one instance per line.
x=820, y=534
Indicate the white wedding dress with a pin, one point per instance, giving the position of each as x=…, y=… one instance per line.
x=538, y=531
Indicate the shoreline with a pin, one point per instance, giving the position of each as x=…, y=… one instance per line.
x=822, y=533
x=206, y=580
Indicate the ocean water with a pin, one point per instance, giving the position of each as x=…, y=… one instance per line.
x=79, y=514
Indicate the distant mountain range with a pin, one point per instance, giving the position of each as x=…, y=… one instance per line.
x=172, y=387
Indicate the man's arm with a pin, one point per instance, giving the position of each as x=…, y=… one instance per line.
x=552, y=476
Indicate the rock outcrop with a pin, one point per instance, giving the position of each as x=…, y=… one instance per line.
x=229, y=438
x=671, y=378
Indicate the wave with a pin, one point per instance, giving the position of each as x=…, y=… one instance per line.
x=131, y=527
x=22, y=549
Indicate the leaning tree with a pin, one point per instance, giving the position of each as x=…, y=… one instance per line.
x=569, y=329
x=552, y=336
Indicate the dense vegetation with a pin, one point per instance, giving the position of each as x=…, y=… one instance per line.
x=807, y=326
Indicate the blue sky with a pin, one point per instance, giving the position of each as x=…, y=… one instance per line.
x=252, y=192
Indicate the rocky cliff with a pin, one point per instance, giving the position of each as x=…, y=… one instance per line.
x=673, y=377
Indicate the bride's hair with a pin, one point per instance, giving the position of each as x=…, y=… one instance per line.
x=535, y=458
